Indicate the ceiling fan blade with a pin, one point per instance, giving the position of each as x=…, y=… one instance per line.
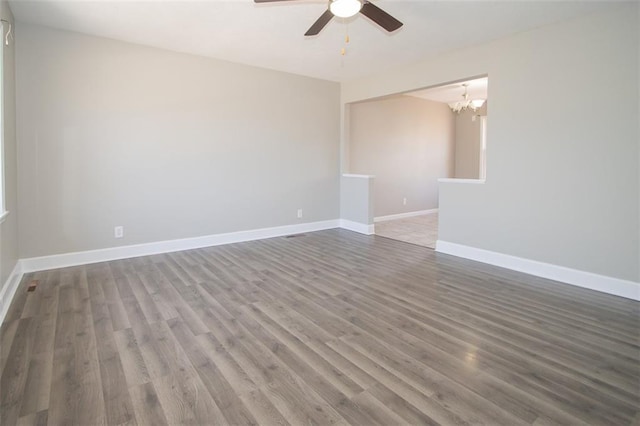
x=380, y=17
x=320, y=23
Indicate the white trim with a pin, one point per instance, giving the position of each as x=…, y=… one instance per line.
x=350, y=175
x=361, y=228
x=102, y=255
x=9, y=289
x=610, y=285
x=482, y=158
x=3, y=216
x=456, y=180
x=403, y=215
x=3, y=186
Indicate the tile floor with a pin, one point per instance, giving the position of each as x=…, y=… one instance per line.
x=421, y=230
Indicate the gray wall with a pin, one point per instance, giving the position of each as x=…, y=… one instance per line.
x=166, y=144
x=562, y=168
x=356, y=198
x=9, y=228
x=407, y=143
x=467, y=157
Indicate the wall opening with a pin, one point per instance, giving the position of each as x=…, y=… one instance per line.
x=408, y=142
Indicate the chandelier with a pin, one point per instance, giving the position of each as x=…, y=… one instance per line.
x=466, y=103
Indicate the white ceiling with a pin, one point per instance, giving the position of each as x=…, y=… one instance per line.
x=477, y=89
x=271, y=35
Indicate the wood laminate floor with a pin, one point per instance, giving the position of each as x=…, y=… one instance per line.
x=328, y=328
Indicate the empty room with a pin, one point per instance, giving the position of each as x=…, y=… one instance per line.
x=188, y=230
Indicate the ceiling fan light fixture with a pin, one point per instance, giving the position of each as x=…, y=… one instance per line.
x=345, y=8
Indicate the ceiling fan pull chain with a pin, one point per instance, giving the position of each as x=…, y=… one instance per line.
x=346, y=33
x=343, y=51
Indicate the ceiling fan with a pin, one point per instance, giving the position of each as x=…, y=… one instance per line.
x=346, y=9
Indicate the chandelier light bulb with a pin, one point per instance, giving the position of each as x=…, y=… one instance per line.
x=466, y=103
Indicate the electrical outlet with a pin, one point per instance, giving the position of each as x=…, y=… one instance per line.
x=404, y=201
x=118, y=231
x=299, y=213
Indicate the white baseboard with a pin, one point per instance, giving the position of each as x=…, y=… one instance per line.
x=9, y=289
x=602, y=283
x=102, y=255
x=361, y=228
x=403, y=215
